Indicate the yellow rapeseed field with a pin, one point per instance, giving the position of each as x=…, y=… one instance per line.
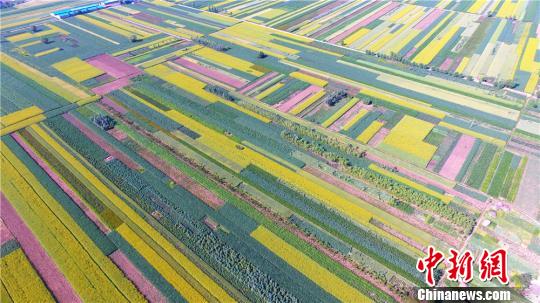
x=217, y=142
x=462, y=65
x=269, y=91
x=20, y=115
x=242, y=155
x=246, y=111
x=68, y=254
x=25, y=36
x=414, y=105
x=507, y=9
x=227, y=60
x=176, y=280
x=340, y=112
x=77, y=69
x=272, y=13
x=309, y=268
x=21, y=280
x=356, y=118
x=259, y=38
x=473, y=133
x=403, y=42
x=355, y=36
x=101, y=270
x=56, y=85
x=531, y=84
x=527, y=61
x=520, y=47
x=478, y=4
x=106, y=26
x=310, y=100
x=370, y=131
x=433, y=48
x=47, y=52
x=133, y=217
x=218, y=145
x=309, y=79
x=406, y=140
x=182, y=81
x=401, y=12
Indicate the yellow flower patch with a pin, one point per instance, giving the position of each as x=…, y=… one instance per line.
x=309, y=268
x=21, y=280
x=182, y=81
x=340, y=112
x=228, y=60
x=310, y=100
x=269, y=91
x=20, y=115
x=309, y=79
x=356, y=118
x=370, y=131
x=405, y=140
x=77, y=69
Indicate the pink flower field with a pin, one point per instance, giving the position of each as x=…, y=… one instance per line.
x=455, y=161
x=109, y=87
x=350, y=114
x=88, y=212
x=113, y=105
x=297, y=98
x=365, y=22
x=51, y=275
x=426, y=22
x=446, y=64
x=5, y=234
x=113, y=66
x=143, y=285
x=379, y=136
x=258, y=82
x=212, y=73
x=183, y=180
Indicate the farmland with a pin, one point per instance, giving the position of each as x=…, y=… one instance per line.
x=264, y=151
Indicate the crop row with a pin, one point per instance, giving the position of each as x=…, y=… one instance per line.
x=188, y=230
x=76, y=251
x=355, y=235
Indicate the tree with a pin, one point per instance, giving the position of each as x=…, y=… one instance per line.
x=45, y=40
x=262, y=55
x=134, y=38
x=34, y=28
x=104, y=122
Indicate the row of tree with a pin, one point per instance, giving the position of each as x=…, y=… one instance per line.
x=399, y=58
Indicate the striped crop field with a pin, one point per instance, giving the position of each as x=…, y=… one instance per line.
x=264, y=151
x=369, y=132
x=324, y=278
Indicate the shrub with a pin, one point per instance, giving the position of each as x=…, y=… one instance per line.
x=104, y=122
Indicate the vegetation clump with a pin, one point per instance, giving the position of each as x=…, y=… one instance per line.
x=104, y=122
